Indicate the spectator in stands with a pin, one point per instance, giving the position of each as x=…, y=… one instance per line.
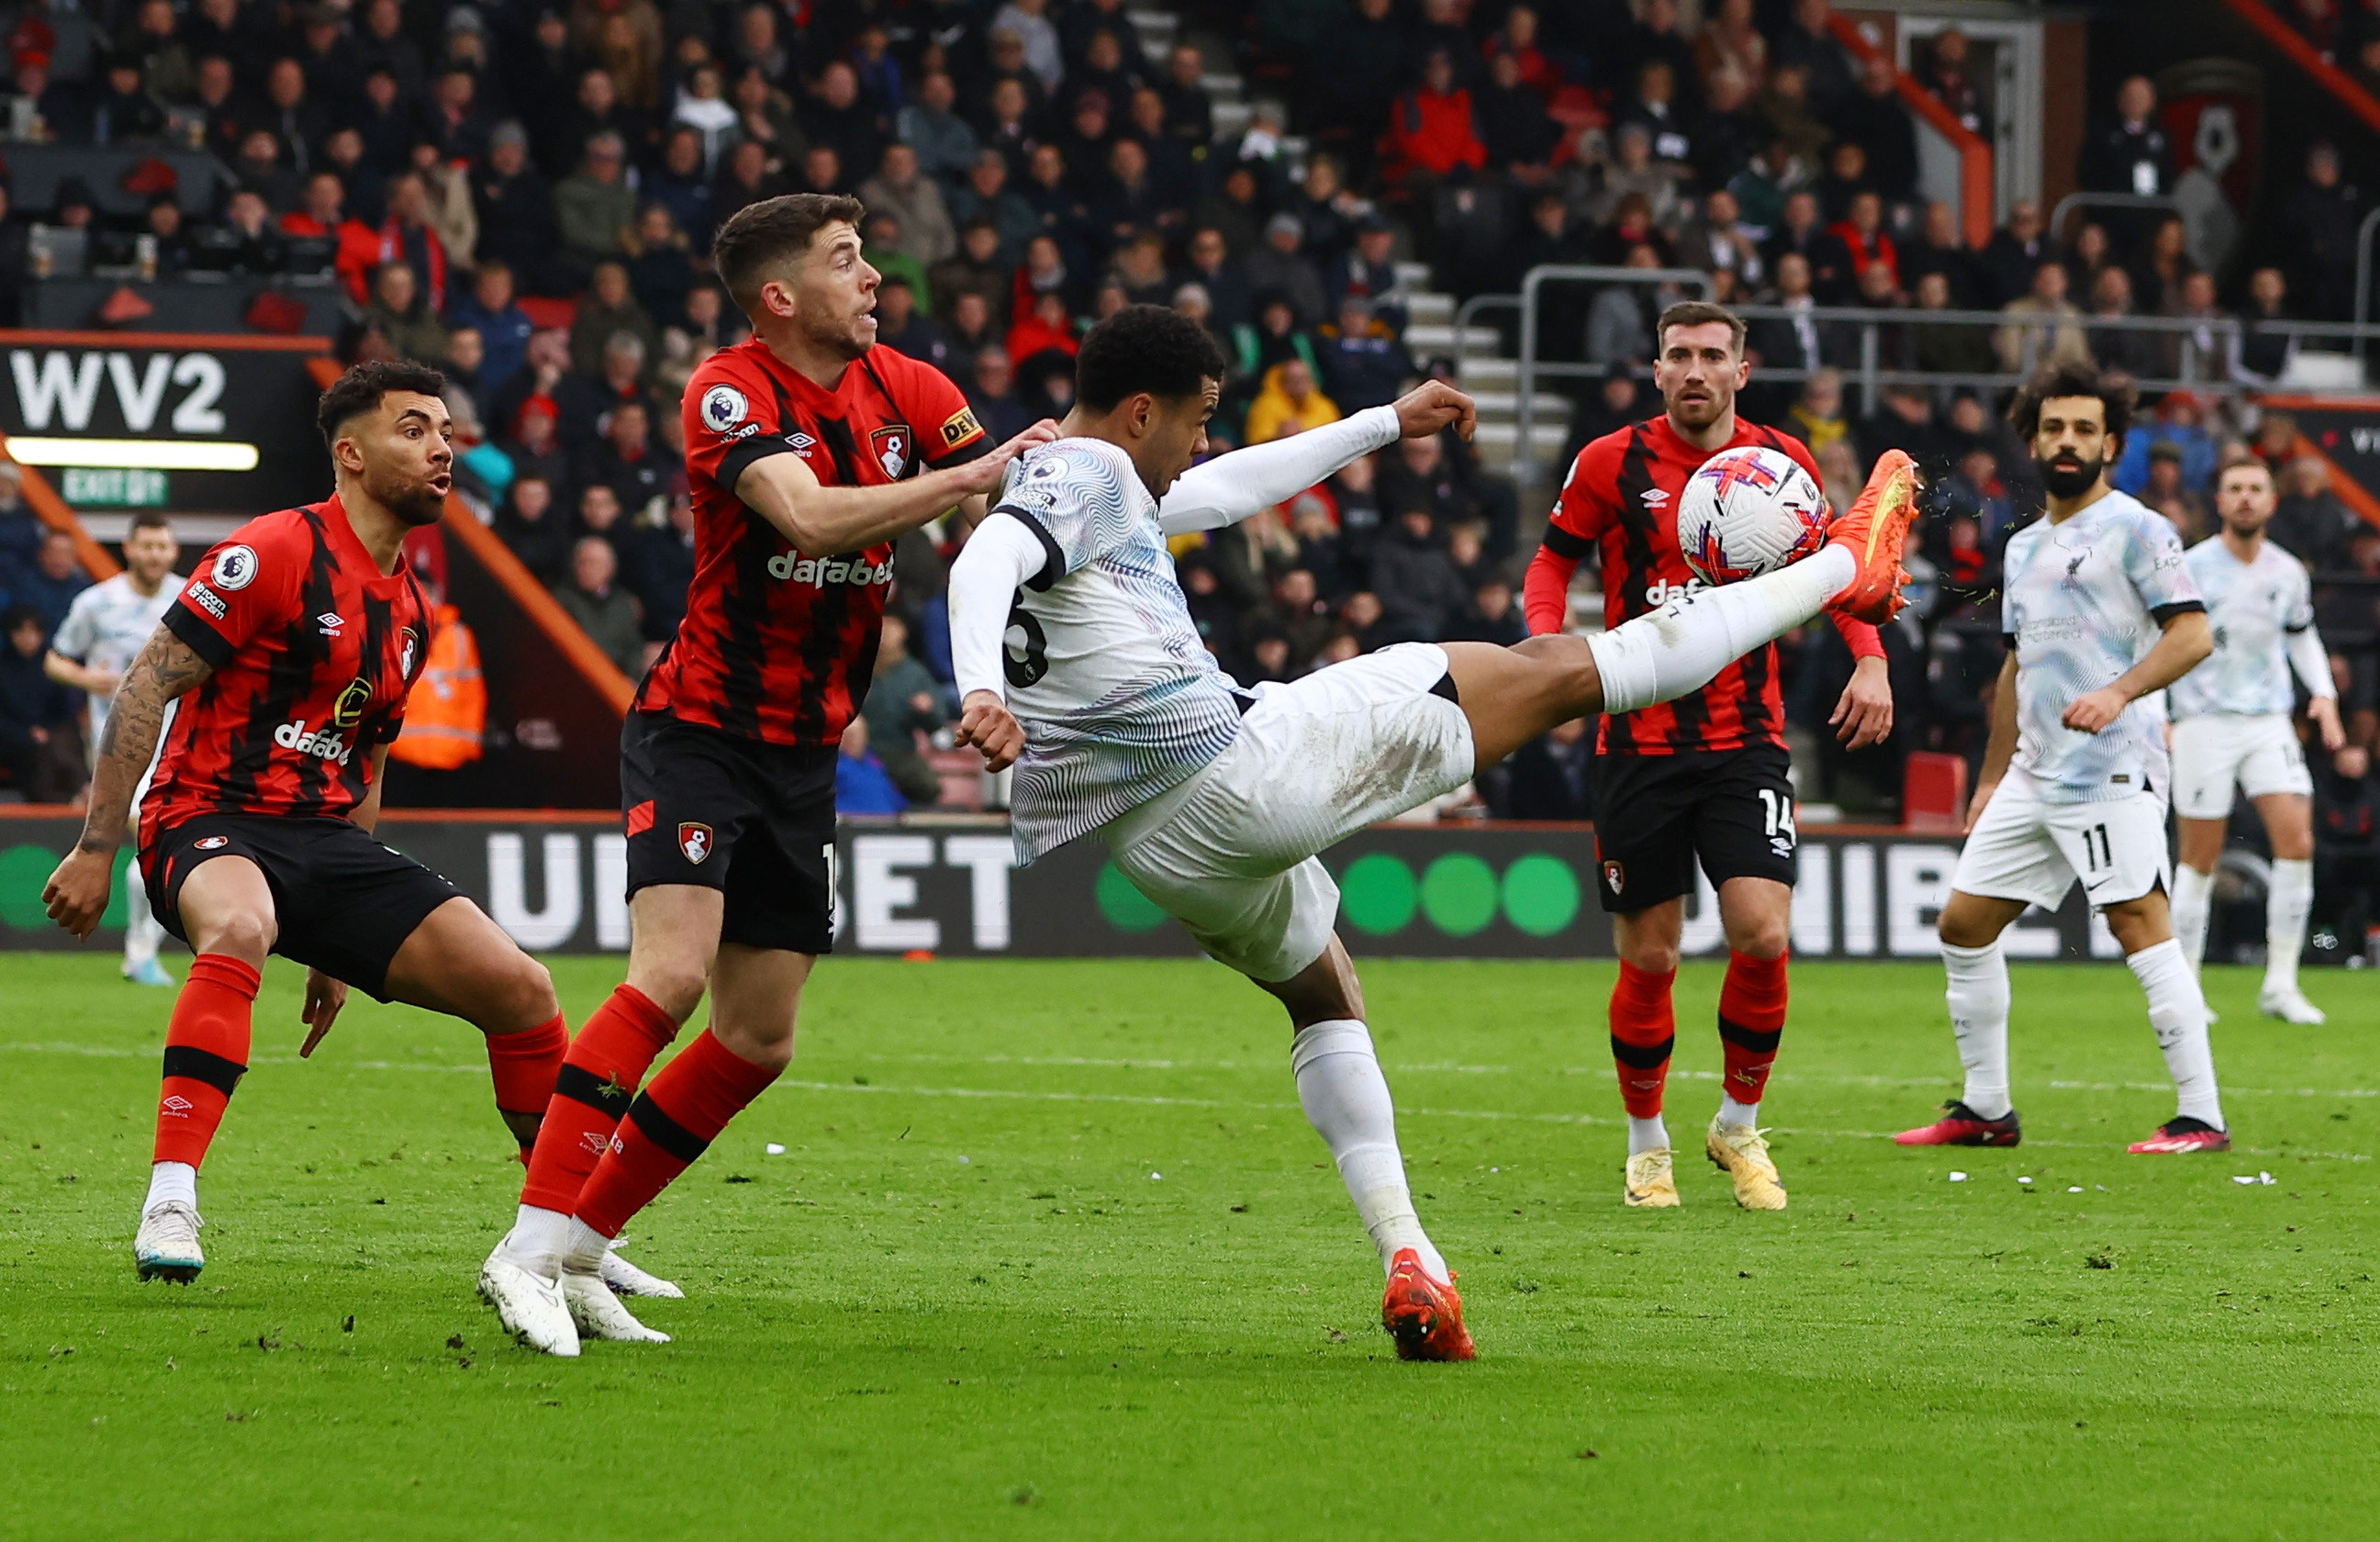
x=1362, y=363
x=992, y=394
x=1280, y=267
x=974, y=269
x=988, y=196
x=662, y=273
x=1816, y=416
x=2347, y=847
x=627, y=461
x=2130, y=154
x=604, y=610
x=1212, y=267
x=126, y=113
x=605, y=311
x=56, y=576
x=594, y=206
x=583, y=402
x=944, y=143
x=1438, y=474
x=863, y=785
x=2015, y=255
x=2041, y=326
x=1727, y=133
x=970, y=330
x=2133, y=352
x=1140, y=266
x=2208, y=348
x=22, y=534
x=1432, y=135
x=530, y=527
x=2090, y=251
x=1799, y=234
x=902, y=702
x=2265, y=351
x=2165, y=492
x=516, y=209
x=1806, y=42
x=1620, y=324
x=1947, y=348
x=1864, y=240
x=1045, y=330
x=1130, y=203
x=1943, y=71
x=399, y=311
x=1790, y=116
x=162, y=224
x=901, y=328
x=659, y=569
x=1291, y=401
x=901, y=188
x=1420, y=593
x=2163, y=267
x=1875, y=118
x=2309, y=522
x=40, y=738
x=2318, y=229
x=1938, y=250
x=1551, y=777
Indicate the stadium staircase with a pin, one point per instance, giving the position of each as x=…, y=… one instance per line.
x=1488, y=371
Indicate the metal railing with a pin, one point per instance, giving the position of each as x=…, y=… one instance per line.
x=1533, y=283
x=2363, y=272
x=2206, y=356
x=2072, y=201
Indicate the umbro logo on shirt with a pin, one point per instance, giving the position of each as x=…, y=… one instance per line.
x=330, y=623
x=1654, y=497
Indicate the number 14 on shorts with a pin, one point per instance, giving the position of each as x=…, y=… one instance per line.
x=1777, y=818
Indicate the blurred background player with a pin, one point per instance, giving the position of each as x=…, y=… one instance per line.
x=103, y=631
x=285, y=662
x=1214, y=799
x=1704, y=777
x=809, y=451
x=2099, y=610
x=2231, y=728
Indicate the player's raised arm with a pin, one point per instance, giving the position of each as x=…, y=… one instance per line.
x=822, y=520
x=166, y=668
x=1232, y=487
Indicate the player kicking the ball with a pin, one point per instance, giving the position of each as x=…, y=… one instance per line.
x=285, y=662
x=1703, y=777
x=2100, y=610
x=1074, y=650
x=2231, y=728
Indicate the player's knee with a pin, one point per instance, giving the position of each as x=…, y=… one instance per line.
x=529, y=994
x=1957, y=928
x=674, y=985
x=1653, y=956
x=1764, y=939
x=2292, y=845
x=244, y=934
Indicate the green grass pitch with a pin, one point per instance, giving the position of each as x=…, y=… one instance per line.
x=964, y=1303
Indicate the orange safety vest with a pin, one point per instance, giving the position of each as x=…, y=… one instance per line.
x=448, y=709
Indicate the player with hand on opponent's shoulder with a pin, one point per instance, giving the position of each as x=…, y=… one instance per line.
x=1078, y=661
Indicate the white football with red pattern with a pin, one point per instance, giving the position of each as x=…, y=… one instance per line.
x=1749, y=511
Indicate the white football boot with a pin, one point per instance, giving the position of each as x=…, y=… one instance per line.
x=2290, y=1006
x=626, y=1279
x=598, y=1313
x=529, y=1305
x=166, y=1247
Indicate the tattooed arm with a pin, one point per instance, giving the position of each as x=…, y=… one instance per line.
x=167, y=667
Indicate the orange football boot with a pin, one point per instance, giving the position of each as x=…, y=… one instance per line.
x=1874, y=530
x=1423, y=1317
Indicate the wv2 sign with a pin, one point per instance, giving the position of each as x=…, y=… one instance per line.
x=58, y=388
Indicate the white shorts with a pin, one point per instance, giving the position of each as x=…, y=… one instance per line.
x=2211, y=754
x=2025, y=849
x=1230, y=853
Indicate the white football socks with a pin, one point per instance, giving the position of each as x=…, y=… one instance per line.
x=169, y=1182
x=2194, y=895
x=1347, y=1100
x=2287, y=901
x=1733, y=1112
x=1978, y=998
x=142, y=934
x=2178, y=1013
x=1681, y=647
x=1646, y=1134
x=538, y=1239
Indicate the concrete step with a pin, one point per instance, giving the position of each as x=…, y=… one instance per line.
x=1231, y=117
x=1224, y=86
x=1415, y=275
x=1484, y=369
x=1153, y=24
x=1505, y=406
x=1438, y=337
x=1430, y=308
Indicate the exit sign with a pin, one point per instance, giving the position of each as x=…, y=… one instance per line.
x=115, y=487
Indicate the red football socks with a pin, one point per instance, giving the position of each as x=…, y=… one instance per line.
x=206, y=1055
x=1751, y=1021
x=524, y=1066
x=671, y=1124
x=598, y=1075
x=1644, y=1031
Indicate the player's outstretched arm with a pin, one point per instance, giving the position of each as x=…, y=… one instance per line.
x=1233, y=487
x=822, y=520
x=2187, y=640
x=1000, y=558
x=167, y=667
x=79, y=676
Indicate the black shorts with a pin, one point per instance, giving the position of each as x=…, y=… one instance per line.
x=1655, y=814
x=343, y=902
x=753, y=820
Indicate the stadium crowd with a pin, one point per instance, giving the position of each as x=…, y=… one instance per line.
x=524, y=196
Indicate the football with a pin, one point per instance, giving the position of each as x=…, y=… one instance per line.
x=1749, y=511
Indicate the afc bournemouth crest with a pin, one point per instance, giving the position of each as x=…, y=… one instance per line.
x=892, y=449
x=695, y=840
x=211, y=842
x=1615, y=876
x=408, y=652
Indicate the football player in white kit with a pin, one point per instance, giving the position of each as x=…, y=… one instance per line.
x=2100, y=612
x=1214, y=799
x=2231, y=728
x=104, y=629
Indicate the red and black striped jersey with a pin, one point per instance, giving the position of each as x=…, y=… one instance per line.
x=313, y=649
x=779, y=645
x=1622, y=494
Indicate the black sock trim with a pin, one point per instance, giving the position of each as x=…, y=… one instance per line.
x=1750, y=1039
x=1643, y=1057
x=665, y=1132
x=603, y=1094
x=200, y=1065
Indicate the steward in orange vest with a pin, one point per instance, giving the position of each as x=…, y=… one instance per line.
x=448, y=709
